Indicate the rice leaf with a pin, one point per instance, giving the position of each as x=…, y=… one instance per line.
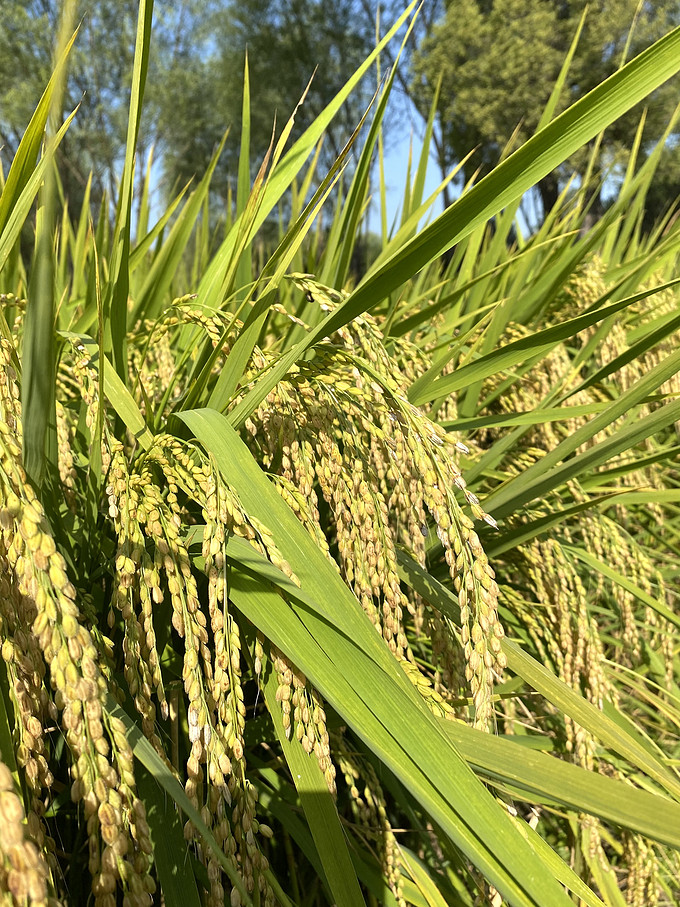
x=170, y=850
x=544, y=682
x=319, y=808
x=377, y=702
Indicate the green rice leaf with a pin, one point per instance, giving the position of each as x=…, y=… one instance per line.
x=356, y=673
x=319, y=808
x=24, y=164
x=119, y=285
x=163, y=776
x=537, y=344
x=170, y=851
x=616, y=577
x=539, y=778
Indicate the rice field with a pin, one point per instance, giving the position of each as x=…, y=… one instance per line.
x=318, y=589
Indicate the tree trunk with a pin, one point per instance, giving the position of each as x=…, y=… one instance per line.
x=549, y=191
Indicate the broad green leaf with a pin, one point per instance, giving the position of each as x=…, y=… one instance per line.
x=39, y=352
x=355, y=672
x=39, y=418
x=531, y=774
x=116, y=392
x=540, y=778
x=170, y=850
x=511, y=354
x=617, y=577
x=365, y=704
x=164, y=777
x=319, y=808
x=119, y=286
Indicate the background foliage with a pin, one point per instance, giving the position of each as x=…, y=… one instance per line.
x=497, y=63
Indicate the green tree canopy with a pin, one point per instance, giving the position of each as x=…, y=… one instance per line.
x=288, y=42
x=195, y=84
x=100, y=68
x=498, y=61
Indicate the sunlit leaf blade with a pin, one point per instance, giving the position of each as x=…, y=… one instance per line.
x=119, y=284
x=22, y=171
x=39, y=353
x=319, y=808
x=431, y=387
x=540, y=778
x=171, y=855
x=378, y=703
x=161, y=775
x=294, y=160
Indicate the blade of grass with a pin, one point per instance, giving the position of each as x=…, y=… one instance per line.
x=536, y=483
x=617, y=577
x=38, y=401
x=162, y=775
x=539, y=778
x=533, y=417
x=171, y=855
x=318, y=805
x=307, y=645
x=119, y=270
x=429, y=387
x=379, y=703
x=244, y=272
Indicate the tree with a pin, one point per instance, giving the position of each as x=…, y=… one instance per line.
x=195, y=82
x=99, y=68
x=498, y=61
x=287, y=42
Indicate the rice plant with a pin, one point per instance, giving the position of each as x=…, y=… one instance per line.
x=316, y=591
